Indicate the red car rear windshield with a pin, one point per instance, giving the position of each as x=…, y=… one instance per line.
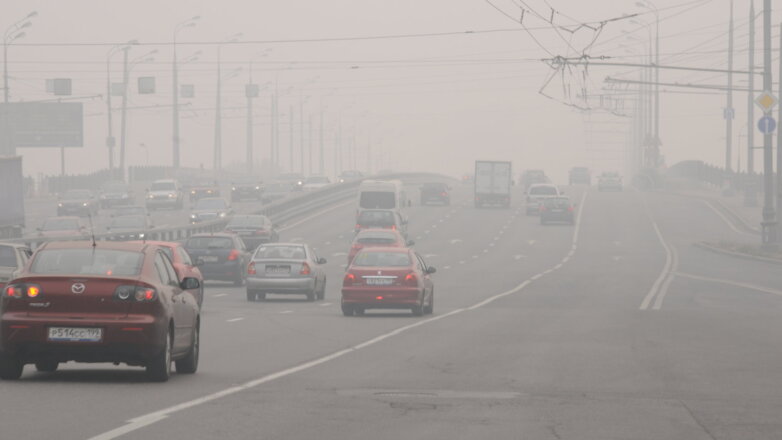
x=382, y=259
x=104, y=262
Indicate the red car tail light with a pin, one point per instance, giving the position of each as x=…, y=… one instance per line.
x=570, y=208
x=135, y=293
x=260, y=231
x=444, y=194
x=33, y=291
x=542, y=208
x=411, y=280
x=251, y=268
x=349, y=279
x=305, y=269
x=234, y=255
x=393, y=227
x=358, y=226
x=22, y=290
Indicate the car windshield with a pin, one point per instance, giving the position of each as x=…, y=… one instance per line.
x=7, y=256
x=104, y=262
x=80, y=194
x=378, y=218
x=378, y=200
x=376, y=238
x=163, y=186
x=382, y=259
x=280, y=251
x=129, y=221
x=60, y=224
x=248, y=220
x=211, y=204
x=209, y=243
x=543, y=191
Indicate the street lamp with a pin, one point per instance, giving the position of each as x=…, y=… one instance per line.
x=110, y=141
x=648, y=4
x=190, y=22
x=128, y=66
x=218, y=141
x=11, y=34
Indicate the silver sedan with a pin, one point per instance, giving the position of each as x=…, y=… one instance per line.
x=286, y=268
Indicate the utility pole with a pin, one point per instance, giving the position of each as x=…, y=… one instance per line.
x=322, y=164
x=110, y=137
x=729, y=108
x=249, y=92
x=123, y=124
x=749, y=194
x=309, y=145
x=218, y=118
x=301, y=135
x=290, y=150
x=175, y=112
x=769, y=224
x=272, y=134
x=779, y=144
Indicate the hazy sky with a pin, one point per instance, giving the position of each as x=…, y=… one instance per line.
x=435, y=102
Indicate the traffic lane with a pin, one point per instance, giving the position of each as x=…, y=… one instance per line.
x=221, y=327
x=349, y=331
x=709, y=268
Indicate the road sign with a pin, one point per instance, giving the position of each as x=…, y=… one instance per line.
x=146, y=85
x=44, y=124
x=766, y=101
x=767, y=125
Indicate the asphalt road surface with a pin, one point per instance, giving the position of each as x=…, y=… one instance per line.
x=616, y=328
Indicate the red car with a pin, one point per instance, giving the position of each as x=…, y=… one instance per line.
x=374, y=238
x=183, y=264
x=118, y=302
x=388, y=278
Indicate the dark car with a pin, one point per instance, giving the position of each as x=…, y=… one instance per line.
x=580, y=176
x=532, y=177
x=295, y=180
x=383, y=219
x=114, y=302
x=203, y=188
x=130, y=210
x=184, y=265
x=253, y=229
x=67, y=226
x=557, y=209
x=286, y=268
x=114, y=194
x=208, y=209
x=220, y=256
x=246, y=191
x=129, y=227
x=349, y=176
x=79, y=202
x=388, y=278
x=435, y=192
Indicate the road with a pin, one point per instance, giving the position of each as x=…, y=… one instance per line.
x=616, y=328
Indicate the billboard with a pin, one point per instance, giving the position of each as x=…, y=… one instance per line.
x=43, y=124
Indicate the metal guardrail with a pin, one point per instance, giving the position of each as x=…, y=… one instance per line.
x=279, y=212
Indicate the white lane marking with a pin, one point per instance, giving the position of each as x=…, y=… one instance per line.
x=519, y=256
x=316, y=215
x=731, y=283
x=286, y=312
x=344, y=265
x=220, y=295
x=535, y=277
x=434, y=226
x=664, y=288
x=338, y=254
x=295, y=239
x=491, y=244
x=441, y=220
x=148, y=419
x=418, y=237
x=426, y=231
x=462, y=262
x=234, y=319
x=341, y=237
x=430, y=255
x=447, y=267
x=531, y=242
x=617, y=257
x=456, y=240
x=725, y=218
x=327, y=243
x=617, y=243
x=485, y=251
x=558, y=266
x=325, y=304
x=474, y=256
x=666, y=268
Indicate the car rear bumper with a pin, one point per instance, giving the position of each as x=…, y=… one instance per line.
x=222, y=271
x=557, y=217
x=381, y=298
x=131, y=339
x=73, y=210
x=281, y=285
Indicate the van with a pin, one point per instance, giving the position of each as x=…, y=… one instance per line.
x=381, y=194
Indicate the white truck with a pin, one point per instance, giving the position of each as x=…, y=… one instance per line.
x=493, y=183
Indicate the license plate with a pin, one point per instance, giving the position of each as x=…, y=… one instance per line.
x=379, y=281
x=278, y=270
x=75, y=334
x=209, y=259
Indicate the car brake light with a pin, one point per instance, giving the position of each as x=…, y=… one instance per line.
x=349, y=279
x=135, y=293
x=570, y=208
x=13, y=291
x=542, y=208
x=234, y=255
x=251, y=268
x=260, y=231
x=444, y=194
x=358, y=226
x=305, y=269
x=411, y=280
x=33, y=291
x=145, y=294
x=393, y=227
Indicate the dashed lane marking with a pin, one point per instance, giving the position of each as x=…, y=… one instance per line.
x=219, y=295
x=234, y=320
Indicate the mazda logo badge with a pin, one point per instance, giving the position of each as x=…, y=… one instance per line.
x=78, y=288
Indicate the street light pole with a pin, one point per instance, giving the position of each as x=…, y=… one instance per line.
x=729, y=107
x=12, y=33
x=769, y=224
x=749, y=195
x=175, y=86
x=123, y=123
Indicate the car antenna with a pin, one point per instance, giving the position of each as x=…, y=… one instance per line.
x=92, y=231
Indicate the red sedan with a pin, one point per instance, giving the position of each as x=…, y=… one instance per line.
x=117, y=302
x=388, y=278
x=184, y=265
x=376, y=237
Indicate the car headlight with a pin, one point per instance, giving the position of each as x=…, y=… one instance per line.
x=233, y=188
x=193, y=216
x=222, y=214
x=192, y=192
x=141, y=235
x=257, y=187
x=84, y=204
x=300, y=183
x=171, y=196
x=150, y=196
x=60, y=205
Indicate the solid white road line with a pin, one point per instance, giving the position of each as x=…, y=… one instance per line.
x=666, y=269
x=220, y=295
x=234, y=319
x=664, y=288
x=285, y=312
x=725, y=219
x=731, y=283
x=153, y=417
x=325, y=304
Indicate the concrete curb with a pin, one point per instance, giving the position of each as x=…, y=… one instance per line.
x=735, y=254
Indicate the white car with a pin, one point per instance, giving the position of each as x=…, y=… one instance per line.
x=537, y=193
x=609, y=182
x=164, y=194
x=315, y=182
